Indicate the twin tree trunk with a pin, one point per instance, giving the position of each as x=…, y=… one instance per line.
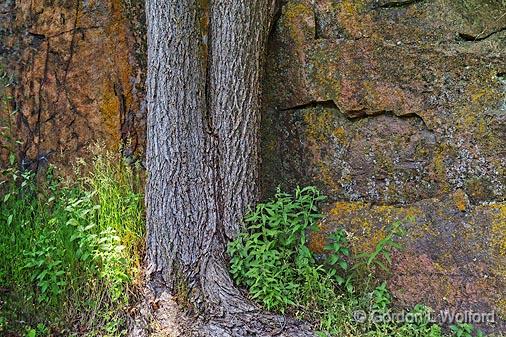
x=204, y=66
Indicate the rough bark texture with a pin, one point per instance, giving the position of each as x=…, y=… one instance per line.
x=238, y=36
x=181, y=209
x=204, y=65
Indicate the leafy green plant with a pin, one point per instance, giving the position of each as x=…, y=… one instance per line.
x=73, y=247
x=422, y=325
x=39, y=331
x=465, y=330
x=270, y=257
x=46, y=269
x=114, y=265
x=338, y=253
x=31, y=333
x=272, y=260
x=3, y=323
x=381, y=298
x=381, y=256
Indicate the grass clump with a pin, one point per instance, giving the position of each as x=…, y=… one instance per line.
x=70, y=252
x=335, y=291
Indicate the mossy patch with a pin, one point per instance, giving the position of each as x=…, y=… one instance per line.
x=298, y=20
x=353, y=19
x=498, y=235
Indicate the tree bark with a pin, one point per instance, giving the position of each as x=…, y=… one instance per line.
x=203, y=82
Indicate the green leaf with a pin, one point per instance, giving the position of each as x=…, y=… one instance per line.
x=343, y=264
x=333, y=259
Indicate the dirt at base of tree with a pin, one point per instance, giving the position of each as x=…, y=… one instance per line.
x=159, y=315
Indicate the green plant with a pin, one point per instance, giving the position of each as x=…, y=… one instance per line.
x=31, y=333
x=421, y=324
x=68, y=257
x=338, y=253
x=46, y=269
x=381, y=298
x=114, y=265
x=465, y=330
x=39, y=331
x=3, y=323
x=381, y=256
x=272, y=260
x=270, y=257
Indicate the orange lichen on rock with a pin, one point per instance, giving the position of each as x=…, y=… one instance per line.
x=109, y=111
x=461, y=200
x=117, y=98
x=367, y=224
x=317, y=242
x=499, y=232
x=75, y=72
x=298, y=20
x=356, y=23
x=498, y=253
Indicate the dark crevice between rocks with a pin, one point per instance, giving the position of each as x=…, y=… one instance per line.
x=479, y=37
x=73, y=43
x=37, y=39
x=398, y=4
x=313, y=104
x=317, y=23
x=275, y=20
x=354, y=115
x=317, y=28
x=39, y=109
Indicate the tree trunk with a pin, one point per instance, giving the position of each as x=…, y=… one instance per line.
x=203, y=82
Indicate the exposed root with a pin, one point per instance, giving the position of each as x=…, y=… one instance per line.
x=157, y=316
x=163, y=317
x=254, y=324
x=231, y=316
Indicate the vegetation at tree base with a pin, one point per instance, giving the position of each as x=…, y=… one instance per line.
x=70, y=252
x=70, y=257
x=271, y=258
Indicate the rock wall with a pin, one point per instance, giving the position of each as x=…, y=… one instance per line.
x=78, y=70
x=397, y=109
x=394, y=108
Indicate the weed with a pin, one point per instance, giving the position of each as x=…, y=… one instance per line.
x=465, y=330
x=381, y=298
x=70, y=252
x=337, y=255
x=271, y=256
x=381, y=256
x=272, y=260
x=46, y=269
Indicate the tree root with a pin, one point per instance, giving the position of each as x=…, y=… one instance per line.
x=158, y=314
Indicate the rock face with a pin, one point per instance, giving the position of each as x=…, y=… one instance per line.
x=394, y=108
x=397, y=109
x=78, y=70
x=391, y=105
